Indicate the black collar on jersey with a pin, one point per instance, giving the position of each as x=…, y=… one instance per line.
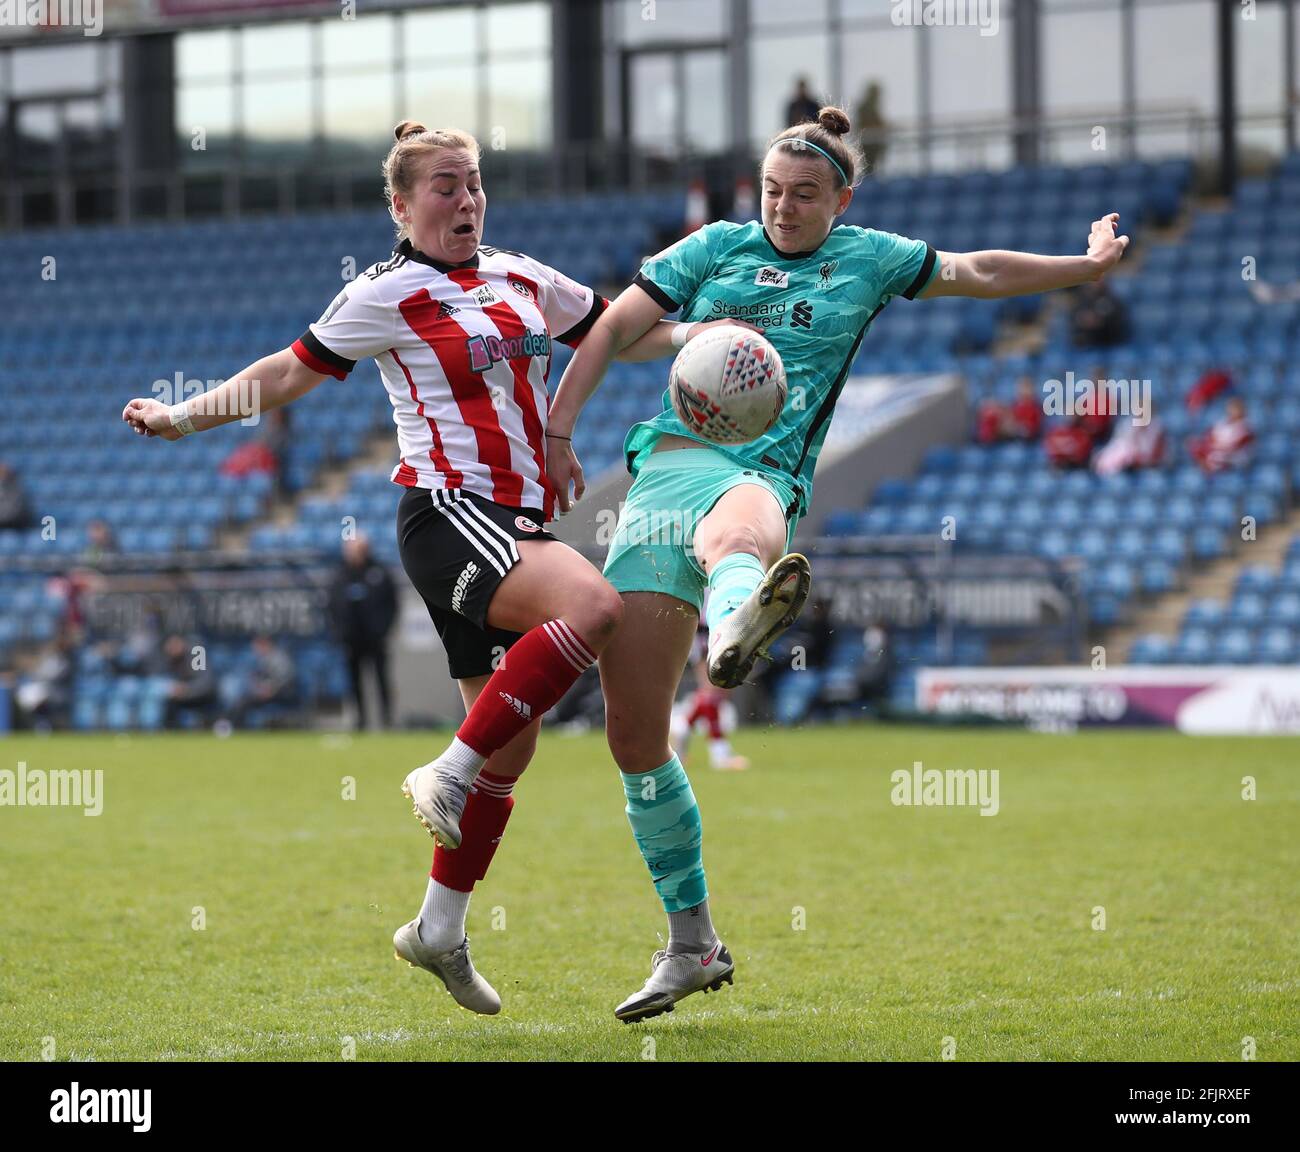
x=794, y=255
x=407, y=249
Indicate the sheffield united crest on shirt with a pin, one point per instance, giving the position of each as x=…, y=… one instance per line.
x=525, y=290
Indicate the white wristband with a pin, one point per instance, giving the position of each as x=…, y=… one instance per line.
x=181, y=420
x=678, y=336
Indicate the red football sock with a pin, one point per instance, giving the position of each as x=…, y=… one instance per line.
x=539, y=669
x=487, y=809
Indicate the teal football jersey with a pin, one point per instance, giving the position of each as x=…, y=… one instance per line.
x=815, y=308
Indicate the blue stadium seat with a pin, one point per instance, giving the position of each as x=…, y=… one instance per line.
x=1152, y=649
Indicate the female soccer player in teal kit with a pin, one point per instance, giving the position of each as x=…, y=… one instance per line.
x=813, y=288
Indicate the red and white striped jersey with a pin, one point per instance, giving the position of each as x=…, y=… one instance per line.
x=465, y=353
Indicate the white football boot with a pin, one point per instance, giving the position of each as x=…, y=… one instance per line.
x=453, y=968
x=676, y=976
x=770, y=609
x=437, y=803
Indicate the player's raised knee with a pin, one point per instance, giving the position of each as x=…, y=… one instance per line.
x=737, y=538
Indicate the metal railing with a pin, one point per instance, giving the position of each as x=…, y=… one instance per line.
x=960, y=144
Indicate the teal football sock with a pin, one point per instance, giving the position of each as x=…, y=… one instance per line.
x=731, y=583
x=666, y=825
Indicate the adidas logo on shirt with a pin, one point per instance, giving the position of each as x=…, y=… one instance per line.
x=518, y=705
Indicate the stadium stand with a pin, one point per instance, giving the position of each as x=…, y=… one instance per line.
x=206, y=297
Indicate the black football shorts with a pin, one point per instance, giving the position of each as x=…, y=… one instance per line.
x=456, y=548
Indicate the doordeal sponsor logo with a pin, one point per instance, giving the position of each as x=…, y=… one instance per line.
x=484, y=351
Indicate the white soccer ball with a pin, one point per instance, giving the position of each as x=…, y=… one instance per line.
x=728, y=385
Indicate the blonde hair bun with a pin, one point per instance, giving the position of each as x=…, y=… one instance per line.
x=408, y=128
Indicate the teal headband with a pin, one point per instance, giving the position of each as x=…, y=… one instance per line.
x=800, y=142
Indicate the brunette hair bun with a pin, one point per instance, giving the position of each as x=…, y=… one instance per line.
x=834, y=120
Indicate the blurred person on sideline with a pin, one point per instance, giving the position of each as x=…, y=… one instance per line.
x=363, y=607
x=871, y=122
x=802, y=108
x=876, y=670
x=191, y=686
x=269, y=681
x=708, y=707
x=43, y=695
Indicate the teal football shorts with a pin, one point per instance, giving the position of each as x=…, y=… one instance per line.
x=653, y=545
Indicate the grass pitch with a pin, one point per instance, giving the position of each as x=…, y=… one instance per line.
x=860, y=929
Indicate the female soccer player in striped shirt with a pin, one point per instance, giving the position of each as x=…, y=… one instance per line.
x=814, y=288
x=462, y=335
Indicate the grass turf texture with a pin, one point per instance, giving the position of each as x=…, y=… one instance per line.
x=921, y=923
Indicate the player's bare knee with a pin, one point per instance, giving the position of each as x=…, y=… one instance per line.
x=737, y=538
x=596, y=613
x=633, y=747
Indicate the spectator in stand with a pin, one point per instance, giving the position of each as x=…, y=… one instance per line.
x=1069, y=444
x=279, y=433
x=1228, y=443
x=82, y=581
x=269, y=453
x=14, y=512
x=871, y=123
x=140, y=651
x=271, y=680
x=802, y=108
x=363, y=607
x=1099, y=318
x=100, y=543
x=1208, y=389
x=1265, y=293
x=254, y=456
x=1022, y=419
x=1096, y=411
x=44, y=693
x=191, y=686
x=1132, y=446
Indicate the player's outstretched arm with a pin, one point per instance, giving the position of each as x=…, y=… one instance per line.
x=270, y=382
x=993, y=274
x=620, y=326
x=657, y=343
